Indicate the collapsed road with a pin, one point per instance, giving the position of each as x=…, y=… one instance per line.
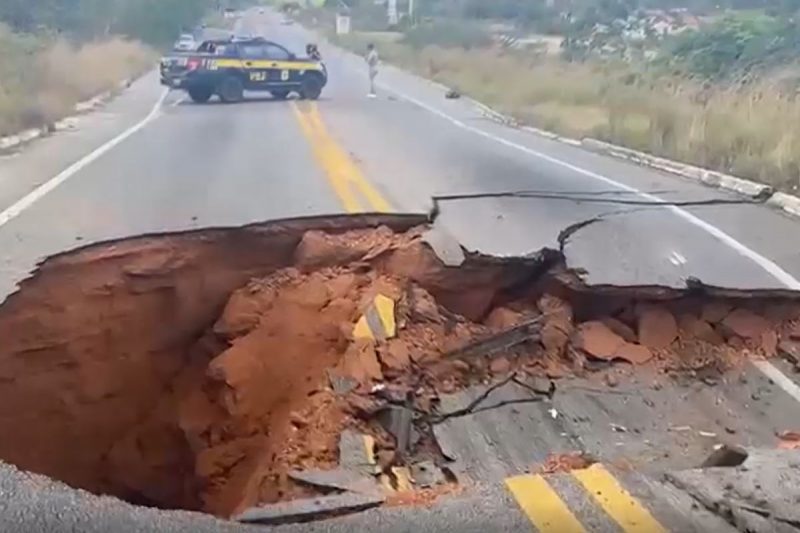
x=307, y=368
x=620, y=355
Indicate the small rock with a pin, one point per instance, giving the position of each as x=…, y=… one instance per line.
x=746, y=324
x=657, y=328
x=710, y=381
x=317, y=249
x=555, y=308
x=794, y=331
x=611, y=380
x=620, y=328
x=365, y=407
x=360, y=362
x=426, y=474
x=298, y=420
x=696, y=328
x=790, y=350
x=736, y=343
x=503, y=318
x=341, y=384
x=619, y=429
x=394, y=393
x=633, y=353
x=461, y=365
x=396, y=355
x=554, y=338
x=730, y=430
x=769, y=343
x=500, y=365
x=597, y=339
x=755, y=396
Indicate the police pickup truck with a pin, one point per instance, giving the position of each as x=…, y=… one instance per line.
x=227, y=68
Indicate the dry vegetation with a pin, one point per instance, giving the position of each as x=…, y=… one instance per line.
x=749, y=132
x=40, y=83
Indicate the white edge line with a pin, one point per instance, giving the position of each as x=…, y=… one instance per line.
x=767, y=368
x=779, y=378
x=35, y=195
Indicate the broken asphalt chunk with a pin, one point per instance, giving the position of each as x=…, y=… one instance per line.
x=399, y=422
x=445, y=246
x=341, y=385
x=309, y=508
x=378, y=321
x=357, y=452
x=767, y=483
x=338, y=478
x=499, y=342
x=426, y=474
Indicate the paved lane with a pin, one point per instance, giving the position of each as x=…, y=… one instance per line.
x=413, y=143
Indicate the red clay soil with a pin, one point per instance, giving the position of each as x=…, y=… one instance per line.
x=191, y=371
x=126, y=370
x=563, y=462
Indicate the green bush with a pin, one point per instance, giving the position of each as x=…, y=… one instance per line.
x=735, y=46
x=154, y=21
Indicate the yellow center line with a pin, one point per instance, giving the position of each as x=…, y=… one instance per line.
x=542, y=505
x=326, y=156
x=618, y=503
x=345, y=177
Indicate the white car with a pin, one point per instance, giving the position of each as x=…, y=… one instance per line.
x=185, y=43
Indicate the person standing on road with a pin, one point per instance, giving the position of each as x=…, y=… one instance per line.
x=372, y=62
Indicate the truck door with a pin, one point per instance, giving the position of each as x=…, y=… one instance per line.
x=279, y=62
x=256, y=65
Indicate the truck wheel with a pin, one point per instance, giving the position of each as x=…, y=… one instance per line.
x=311, y=87
x=201, y=94
x=231, y=90
x=279, y=95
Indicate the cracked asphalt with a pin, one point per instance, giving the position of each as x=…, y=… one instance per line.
x=192, y=166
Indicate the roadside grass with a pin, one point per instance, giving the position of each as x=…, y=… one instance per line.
x=750, y=132
x=41, y=81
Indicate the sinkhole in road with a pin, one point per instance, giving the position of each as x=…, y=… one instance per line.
x=197, y=370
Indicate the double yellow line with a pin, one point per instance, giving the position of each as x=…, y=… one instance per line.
x=354, y=191
x=550, y=514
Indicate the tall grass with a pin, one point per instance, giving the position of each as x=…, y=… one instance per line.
x=42, y=81
x=752, y=132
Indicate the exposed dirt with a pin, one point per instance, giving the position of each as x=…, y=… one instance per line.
x=196, y=370
x=564, y=462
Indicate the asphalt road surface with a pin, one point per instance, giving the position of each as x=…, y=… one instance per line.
x=151, y=161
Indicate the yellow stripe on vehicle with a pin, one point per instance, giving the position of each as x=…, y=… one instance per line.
x=265, y=64
x=542, y=505
x=343, y=174
x=618, y=503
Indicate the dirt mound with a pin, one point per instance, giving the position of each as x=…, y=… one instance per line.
x=196, y=371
